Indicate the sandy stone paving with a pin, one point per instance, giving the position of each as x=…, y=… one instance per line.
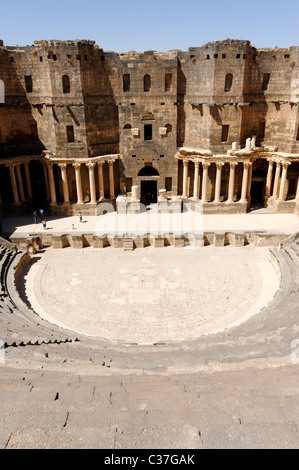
x=151, y=294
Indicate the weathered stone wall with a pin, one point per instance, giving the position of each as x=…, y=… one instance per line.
x=150, y=101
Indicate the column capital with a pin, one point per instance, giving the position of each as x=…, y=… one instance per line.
x=196, y=162
x=90, y=165
x=101, y=163
x=10, y=165
x=185, y=162
x=285, y=165
x=76, y=165
x=205, y=165
x=247, y=165
x=233, y=164
x=62, y=165
x=219, y=165
x=110, y=162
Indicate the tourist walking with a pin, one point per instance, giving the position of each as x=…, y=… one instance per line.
x=80, y=217
x=35, y=217
x=44, y=224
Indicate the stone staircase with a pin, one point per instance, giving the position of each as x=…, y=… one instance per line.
x=128, y=244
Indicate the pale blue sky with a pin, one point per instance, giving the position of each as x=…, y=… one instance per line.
x=123, y=25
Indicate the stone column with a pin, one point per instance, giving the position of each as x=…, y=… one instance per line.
x=101, y=181
x=297, y=192
x=231, y=184
x=111, y=179
x=246, y=166
x=219, y=166
x=46, y=181
x=281, y=196
x=249, y=181
x=13, y=180
x=20, y=181
x=92, y=186
x=269, y=178
x=204, y=182
x=276, y=180
x=185, y=178
x=28, y=180
x=51, y=183
x=196, y=180
x=77, y=167
x=65, y=187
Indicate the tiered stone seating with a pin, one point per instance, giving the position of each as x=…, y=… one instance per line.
x=20, y=326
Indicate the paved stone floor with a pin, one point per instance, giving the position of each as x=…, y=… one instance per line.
x=151, y=294
x=253, y=221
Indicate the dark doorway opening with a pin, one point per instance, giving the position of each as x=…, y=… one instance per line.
x=257, y=193
x=38, y=184
x=148, y=192
x=258, y=188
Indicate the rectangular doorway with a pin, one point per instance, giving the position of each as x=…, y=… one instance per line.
x=148, y=192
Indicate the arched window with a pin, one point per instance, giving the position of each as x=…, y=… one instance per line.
x=66, y=84
x=127, y=126
x=2, y=91
x=169, y=128
x=146, y=83
x=228, y=82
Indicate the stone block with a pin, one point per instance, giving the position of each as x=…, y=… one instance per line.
x=77, y=241
x=57, y=241
x=219, y=239
x=179, y=242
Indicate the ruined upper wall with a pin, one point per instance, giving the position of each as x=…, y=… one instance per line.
x=54, y=84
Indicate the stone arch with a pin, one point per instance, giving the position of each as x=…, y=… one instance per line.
x=228, y=82
x=148, y=171
x=168, y=128
x=66, y=85
x=146, y=83
x=148, y=116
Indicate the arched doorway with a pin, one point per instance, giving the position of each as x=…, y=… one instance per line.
x=148, y=185
x=258, y=188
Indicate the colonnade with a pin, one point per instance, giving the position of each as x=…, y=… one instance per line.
x=204, y=186
x=92, y=166
x=278, y=192
x=18, y=184
x=16, y=180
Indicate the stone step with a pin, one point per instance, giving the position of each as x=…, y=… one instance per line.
x=128, y=244
x=295, y=247
x=293, y=255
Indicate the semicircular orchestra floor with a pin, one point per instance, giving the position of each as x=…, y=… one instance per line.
x=150, y=295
